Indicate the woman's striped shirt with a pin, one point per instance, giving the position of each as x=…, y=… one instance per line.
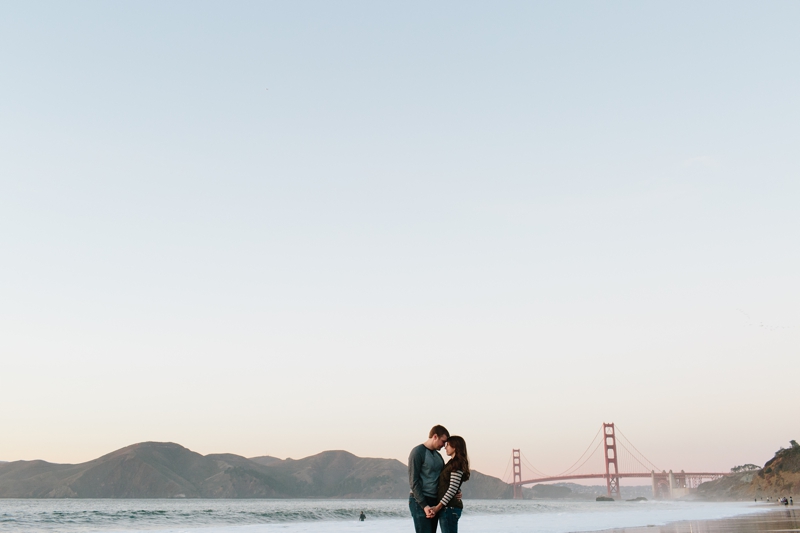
x=455, y=483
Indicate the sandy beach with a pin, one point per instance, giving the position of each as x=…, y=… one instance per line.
x=783, y=519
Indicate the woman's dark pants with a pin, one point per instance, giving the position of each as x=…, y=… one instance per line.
x=448, y=519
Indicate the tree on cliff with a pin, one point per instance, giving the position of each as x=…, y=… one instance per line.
x=744, y=468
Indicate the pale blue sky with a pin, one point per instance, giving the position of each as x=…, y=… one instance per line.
x=279, y=228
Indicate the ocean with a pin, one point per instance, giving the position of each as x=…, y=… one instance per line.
x=341, y=516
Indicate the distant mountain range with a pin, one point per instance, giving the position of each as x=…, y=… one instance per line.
x=168, y=470
x=574, y=491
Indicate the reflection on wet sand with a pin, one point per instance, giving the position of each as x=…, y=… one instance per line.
x=783, y=520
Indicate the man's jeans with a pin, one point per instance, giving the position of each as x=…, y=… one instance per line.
x=422, y=524
x=448, y=519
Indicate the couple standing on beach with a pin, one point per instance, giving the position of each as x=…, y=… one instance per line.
x=435, y=487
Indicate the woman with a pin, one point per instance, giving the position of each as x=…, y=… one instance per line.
x=455, y=472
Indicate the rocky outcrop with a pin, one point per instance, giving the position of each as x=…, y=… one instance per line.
x=732, y=487
x=780, y=476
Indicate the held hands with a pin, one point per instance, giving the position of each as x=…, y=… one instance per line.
x=430, y=512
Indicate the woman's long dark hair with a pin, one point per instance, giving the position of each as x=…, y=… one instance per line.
x=460, y=460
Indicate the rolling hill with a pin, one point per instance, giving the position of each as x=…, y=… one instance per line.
x=168, y=470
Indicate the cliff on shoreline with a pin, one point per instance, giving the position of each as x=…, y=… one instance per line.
x=168, y=470
x=779, y=477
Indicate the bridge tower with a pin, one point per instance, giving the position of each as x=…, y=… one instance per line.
x=517, y=474
x=612, y=469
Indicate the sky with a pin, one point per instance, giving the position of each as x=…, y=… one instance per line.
x=278, y=228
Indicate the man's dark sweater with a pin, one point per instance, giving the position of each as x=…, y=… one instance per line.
x=424, y=467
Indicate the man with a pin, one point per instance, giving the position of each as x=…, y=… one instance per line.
x=425, y=463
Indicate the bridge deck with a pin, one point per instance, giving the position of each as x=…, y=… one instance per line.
x=621, y=475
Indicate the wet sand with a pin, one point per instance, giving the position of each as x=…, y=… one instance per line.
x=778, y=520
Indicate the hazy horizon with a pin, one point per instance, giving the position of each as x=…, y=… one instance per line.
x=282, y=228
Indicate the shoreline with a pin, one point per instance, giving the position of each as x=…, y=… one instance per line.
x=390, y=516
x=783, y=519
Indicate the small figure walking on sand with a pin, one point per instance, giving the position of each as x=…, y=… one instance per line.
x=362, y=517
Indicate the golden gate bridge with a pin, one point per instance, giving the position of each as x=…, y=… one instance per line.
x=622, y=460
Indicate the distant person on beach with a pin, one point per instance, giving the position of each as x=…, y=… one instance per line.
x=455, y=473
x=424, y=466
x=362, y=517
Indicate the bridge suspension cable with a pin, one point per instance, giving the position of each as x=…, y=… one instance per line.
x=570, y=469
x=646, y=463
x=591, y=455
x=631, y=463
x=528, y=464
x=628, y=462
x=506, y=472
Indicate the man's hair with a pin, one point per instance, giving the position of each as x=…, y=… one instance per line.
x=441, y=431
